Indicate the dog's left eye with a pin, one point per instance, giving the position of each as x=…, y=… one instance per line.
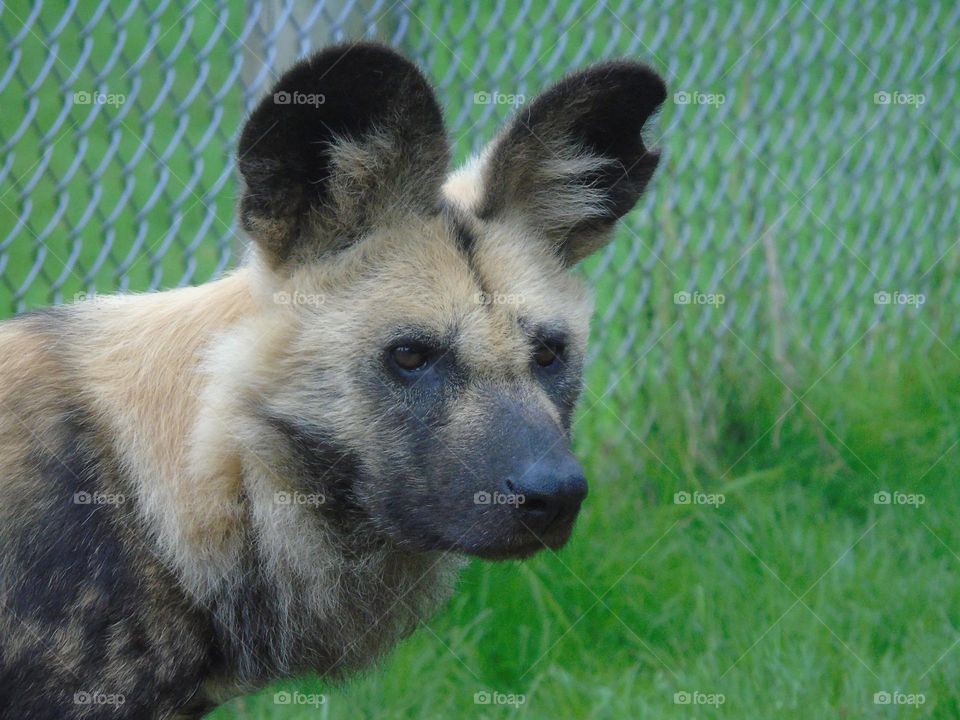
x=409, y=357
x=547, y=354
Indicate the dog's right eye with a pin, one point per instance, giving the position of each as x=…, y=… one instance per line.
x=410, y=358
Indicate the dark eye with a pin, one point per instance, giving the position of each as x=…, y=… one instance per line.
x=547, y=353
x=410, y=358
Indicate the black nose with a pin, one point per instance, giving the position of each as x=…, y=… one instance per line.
x=549, y=492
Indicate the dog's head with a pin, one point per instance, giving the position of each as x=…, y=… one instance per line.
x=429, y=336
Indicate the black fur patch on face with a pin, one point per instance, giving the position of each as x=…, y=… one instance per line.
x=598, y=112
x=563, y=381
x=432, y=497
x=300, y=199
x=321, y=465
x=459, y=227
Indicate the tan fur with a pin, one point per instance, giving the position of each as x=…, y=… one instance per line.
x=141, y=353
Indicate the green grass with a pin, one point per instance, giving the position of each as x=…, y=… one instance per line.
x=650, y=598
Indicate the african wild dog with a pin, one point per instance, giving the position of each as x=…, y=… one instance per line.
x=276, y=473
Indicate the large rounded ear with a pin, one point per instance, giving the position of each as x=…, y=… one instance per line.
x=348, y=139
x=573, y=162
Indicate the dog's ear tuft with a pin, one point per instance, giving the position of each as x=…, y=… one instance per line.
x=348, y=138
x=573, y=162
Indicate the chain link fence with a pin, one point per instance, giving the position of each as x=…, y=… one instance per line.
x=803, y=219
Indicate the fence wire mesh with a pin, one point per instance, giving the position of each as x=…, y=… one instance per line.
x=802, y=220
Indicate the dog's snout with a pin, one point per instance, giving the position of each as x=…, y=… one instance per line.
x=549, y=491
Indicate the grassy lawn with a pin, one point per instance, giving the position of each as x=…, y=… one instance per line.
x=797, y=198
